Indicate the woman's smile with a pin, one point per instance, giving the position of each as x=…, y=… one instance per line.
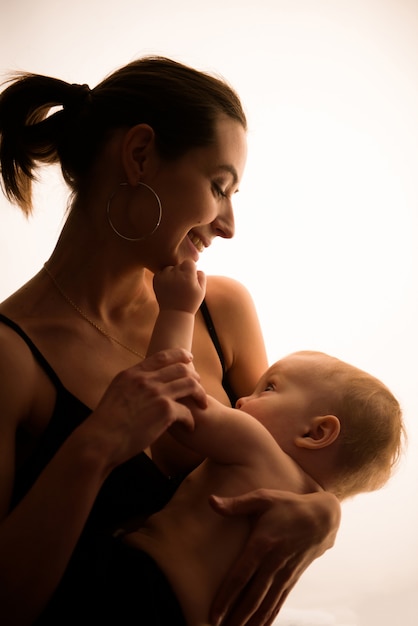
x=196, y=241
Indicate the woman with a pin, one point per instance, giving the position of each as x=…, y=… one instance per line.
x=153, y=156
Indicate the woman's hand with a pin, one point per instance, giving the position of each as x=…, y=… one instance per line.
x=289, y=531
x=142, y=402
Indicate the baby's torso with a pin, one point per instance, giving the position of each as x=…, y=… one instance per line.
x=194, y=545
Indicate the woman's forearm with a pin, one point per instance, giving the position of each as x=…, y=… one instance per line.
x=39, y=535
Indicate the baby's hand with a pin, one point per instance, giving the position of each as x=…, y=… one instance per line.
x=180, y=287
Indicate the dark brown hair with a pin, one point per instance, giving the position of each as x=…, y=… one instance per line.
x=180, y=103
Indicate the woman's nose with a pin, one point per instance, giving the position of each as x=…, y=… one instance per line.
x=224, y=224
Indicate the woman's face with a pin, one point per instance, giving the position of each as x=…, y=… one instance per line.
x=196, y=193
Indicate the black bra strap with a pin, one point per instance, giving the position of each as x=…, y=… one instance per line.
x=215, y=339
x=36, y=353
x=212, y=332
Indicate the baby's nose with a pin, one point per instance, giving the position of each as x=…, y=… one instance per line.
x=240, y=402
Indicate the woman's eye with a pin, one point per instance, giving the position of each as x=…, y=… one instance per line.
x=218, y=190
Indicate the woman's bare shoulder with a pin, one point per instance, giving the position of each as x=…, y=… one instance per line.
x=225, y=284
x=238, y=327
x=223, y=291
x=18, y=374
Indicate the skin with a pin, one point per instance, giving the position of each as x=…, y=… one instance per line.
x=287, y=446
x=111, y=281
x=284, y=400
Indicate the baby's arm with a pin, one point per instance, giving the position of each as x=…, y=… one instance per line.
x=180, y=290
x=227, y=435
x=224, y=434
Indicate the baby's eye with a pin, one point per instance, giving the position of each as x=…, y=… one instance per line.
x=269, y=387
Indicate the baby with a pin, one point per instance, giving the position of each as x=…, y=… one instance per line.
x=312, y=423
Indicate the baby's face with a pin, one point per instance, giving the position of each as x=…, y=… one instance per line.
x=287, y=394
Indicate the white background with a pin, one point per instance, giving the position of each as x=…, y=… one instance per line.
x=327, y=215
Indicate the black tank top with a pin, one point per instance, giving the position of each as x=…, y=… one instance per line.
x=134, y=490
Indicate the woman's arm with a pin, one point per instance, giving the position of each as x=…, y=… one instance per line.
x=39, y=535
x=237, y=325
x=289, y=531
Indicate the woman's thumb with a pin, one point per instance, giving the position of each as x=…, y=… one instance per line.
x=246, y=504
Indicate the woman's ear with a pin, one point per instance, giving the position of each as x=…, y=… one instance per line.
x=323, y=431
x=137, y=147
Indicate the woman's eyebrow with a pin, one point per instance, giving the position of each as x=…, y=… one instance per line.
x=231, y=170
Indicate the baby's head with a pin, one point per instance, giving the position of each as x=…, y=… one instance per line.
x=342, y=425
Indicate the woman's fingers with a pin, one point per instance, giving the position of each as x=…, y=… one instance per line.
x=288, y=531
x=165, y=358
x=264, y=595
x=176, y=380
x=146, y=399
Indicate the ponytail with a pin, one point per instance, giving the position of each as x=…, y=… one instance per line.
x=180, y=103
x=29, y=137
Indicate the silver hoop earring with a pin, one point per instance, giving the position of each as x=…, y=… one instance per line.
x=113, y=227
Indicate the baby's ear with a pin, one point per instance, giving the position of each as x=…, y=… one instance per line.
x=323, y=431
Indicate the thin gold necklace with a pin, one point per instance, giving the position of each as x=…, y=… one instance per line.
x=86, y=317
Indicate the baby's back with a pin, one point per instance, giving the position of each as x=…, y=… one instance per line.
x=194, y=546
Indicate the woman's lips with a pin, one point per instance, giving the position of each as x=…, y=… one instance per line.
x=197, y=242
